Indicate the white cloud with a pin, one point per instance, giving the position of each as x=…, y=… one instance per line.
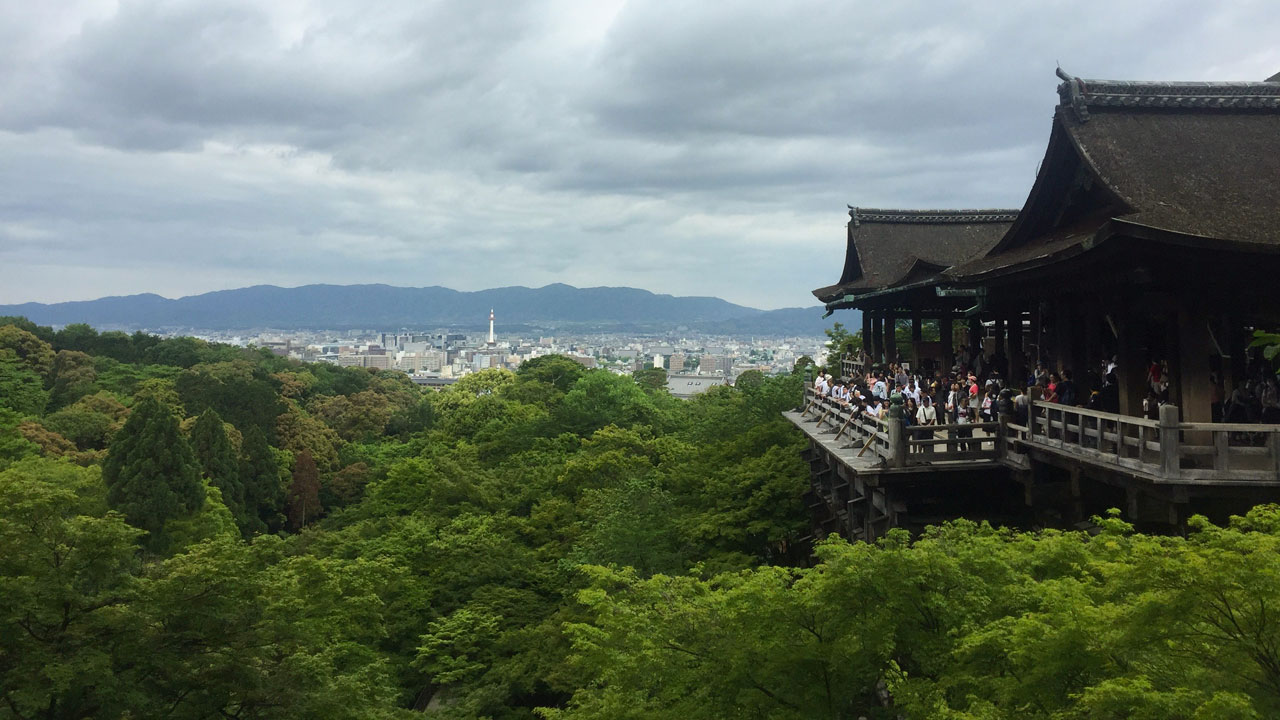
x=707, y=148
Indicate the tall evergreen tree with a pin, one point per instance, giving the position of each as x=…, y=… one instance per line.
x=218, y=462
x=260, y=477
x=304, y=492
x=150, y=472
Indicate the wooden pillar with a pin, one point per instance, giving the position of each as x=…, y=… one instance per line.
x=1195, y=392
x=877, y=338
x=897, y=436
x=1013, y=349
x=866, y=333
x=1061, y=359
x=1233, y=344
x=999, y=359
x=1092, y=326
x=890, y=337
x=917, y=337
x=1131, y=370
x=945, y=335
x=1034, y=335
x=1169, y=439
x=975, y=343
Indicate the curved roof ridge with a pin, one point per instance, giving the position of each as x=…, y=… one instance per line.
x=1080, y=94
x=860, y=215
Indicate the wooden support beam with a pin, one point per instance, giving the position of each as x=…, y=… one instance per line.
x=975, y=340
x=917, y=337
x=867, y=333
x=947, y=333
x=890, y=337
x=1131, y=367
x=1014, y=351
x=1195, y=392
x=877, y=337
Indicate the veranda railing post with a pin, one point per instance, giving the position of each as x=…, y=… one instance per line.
x=1004, y=413
x=1170, y=465
x=1034, y=393
x=897, y=433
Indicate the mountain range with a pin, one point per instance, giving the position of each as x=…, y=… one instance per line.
x=387, y=307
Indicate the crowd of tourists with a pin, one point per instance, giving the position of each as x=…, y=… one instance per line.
x=969, y=392
x=958, y=399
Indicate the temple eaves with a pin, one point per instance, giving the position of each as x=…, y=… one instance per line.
x=929, y=217
x=1080, y=94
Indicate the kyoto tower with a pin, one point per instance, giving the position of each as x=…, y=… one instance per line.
x=492, y=341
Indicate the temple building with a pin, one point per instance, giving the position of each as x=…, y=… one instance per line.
x=1148, y=244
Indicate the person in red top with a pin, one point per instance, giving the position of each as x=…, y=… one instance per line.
x=1051, y=390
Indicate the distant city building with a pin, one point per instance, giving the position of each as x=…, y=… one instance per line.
x=686, y=386
x=676, y=363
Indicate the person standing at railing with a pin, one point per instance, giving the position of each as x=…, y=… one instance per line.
x=955, y=400
x=1051, y=388
x=820, y=386
x=1067, y=394
x=964, y=419
x=926, y=418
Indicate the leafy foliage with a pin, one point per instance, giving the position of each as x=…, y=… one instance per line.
x=555, y=542
x=150, y=473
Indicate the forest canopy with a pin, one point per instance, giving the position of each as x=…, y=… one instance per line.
x=194, y=530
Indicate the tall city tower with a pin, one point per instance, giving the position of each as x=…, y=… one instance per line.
x=492, y=341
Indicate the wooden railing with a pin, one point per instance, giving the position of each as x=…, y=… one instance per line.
x=899, y=444
x=1165, y=450
x=852, y=366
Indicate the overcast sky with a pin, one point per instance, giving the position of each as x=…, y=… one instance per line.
x=690, y=148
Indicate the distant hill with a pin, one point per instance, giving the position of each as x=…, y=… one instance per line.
x=384, y=306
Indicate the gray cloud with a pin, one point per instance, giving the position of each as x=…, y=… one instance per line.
x=693, y=148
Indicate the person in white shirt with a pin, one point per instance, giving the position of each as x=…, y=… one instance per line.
x=880, y=390
x=820, y=386
x=926, y=416
x=913, y=392
x=841, y=394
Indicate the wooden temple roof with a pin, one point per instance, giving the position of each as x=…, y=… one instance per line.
x=1193, y=163
x=897, y=248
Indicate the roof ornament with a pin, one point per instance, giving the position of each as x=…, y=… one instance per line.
x=853, y=216
x=1071, y=91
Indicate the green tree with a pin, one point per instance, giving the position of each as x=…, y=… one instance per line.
x=21, y=389
x=67, y=579
x=150, y=473
x=13, y=444
x=239, y=391
x=43, y=332
x=363, y=415
x=73, y=377
x=841, y=342
x=303, y=502
x=651, y=379
x=27, y=349
x=601, y=398
x=260, y=476
x=557, y=371
x=300, y=432
x=802, y=362
x=76, y=336
x=218, y=463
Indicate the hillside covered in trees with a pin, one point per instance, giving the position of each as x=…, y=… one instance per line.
x=200, y=531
